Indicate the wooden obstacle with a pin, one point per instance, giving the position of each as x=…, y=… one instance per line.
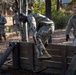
x=61, y=58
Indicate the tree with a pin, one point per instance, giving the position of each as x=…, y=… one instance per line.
x=48, y=13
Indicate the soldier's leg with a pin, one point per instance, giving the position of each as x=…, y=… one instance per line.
x=16, y=29
x=41, y=50
x=3, y=34
x=42, y=36
x=0, y=38
x=74, y=42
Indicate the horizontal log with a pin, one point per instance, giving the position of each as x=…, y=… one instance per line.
x=53, y=64
x=24, y=60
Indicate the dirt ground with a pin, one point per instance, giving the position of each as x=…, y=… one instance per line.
x=58, y=37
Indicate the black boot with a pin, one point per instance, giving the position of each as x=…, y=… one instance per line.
x=4, y=36
x=0, y=38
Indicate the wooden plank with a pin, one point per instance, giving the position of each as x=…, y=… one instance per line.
x=16, y=55
x=24, y=46
x=64, y=58
x=27, y=51
x=25, y=66
x=24, y=55
x=72, y=67
x=70, y=50
x=24, y=60
x=53, y=46
x=53, y=71
x=31, y=56
x=53, y=64
x=56, y=58
x=54, y=52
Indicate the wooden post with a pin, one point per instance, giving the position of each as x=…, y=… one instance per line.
x=64, y=59
x=5, y=55
x=16, y=56
x=48, y=10
x=58, y=5
x=25, y=26
x=72, y=66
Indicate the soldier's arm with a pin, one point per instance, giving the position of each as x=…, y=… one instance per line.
x=4, y=21
x=69, y=26
x=13, y=20
x=32, y=23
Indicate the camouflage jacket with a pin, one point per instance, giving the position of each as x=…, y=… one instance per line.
x=71, y=24
x=35, y=19
x=2, y=21
x=16, y=19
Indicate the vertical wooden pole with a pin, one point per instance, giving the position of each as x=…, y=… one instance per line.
x=64, y=59
x=25, y=26
x=58, y=5
x=16, y=55
x=48, y=10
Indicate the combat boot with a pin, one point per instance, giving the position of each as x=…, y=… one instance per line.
x=40, y=68
x=4, y=36
x=0, y=38
x=45, y=56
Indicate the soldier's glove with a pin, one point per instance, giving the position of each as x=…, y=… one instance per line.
x=67, y=37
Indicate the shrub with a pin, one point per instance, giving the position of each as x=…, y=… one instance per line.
x=60, y=18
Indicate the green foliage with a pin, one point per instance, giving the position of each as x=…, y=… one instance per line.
x=60, y=18
x=39, y=7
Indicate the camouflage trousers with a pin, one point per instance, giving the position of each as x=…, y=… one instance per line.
x=2, y=33
x=17, y=28
x=42, y=36
x=74, y=42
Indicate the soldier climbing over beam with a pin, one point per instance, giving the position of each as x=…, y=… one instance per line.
x=42, y=27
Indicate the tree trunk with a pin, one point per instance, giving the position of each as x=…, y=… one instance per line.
x=48, y=14
x=58, y=5
x=25, y=26
x=48, y=8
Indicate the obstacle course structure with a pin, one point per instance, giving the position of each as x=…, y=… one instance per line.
x=24, y=57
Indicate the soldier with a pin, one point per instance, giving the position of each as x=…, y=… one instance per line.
x=72, y=24
x=42, y=27
x=16, y=22
x=2, y=26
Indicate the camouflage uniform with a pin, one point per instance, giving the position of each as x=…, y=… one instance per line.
x=72, y=24
x=2, y=27
x=16, y=23
x=44, y=31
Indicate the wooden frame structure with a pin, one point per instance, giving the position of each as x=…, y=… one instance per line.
x=61, y=58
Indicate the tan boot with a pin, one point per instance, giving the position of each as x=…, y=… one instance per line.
x=40, y=68
x=45, y=56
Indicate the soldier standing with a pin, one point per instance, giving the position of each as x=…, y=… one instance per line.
x=2, y=26
x=16, y=22
x=72, y=24
x=42, y=27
